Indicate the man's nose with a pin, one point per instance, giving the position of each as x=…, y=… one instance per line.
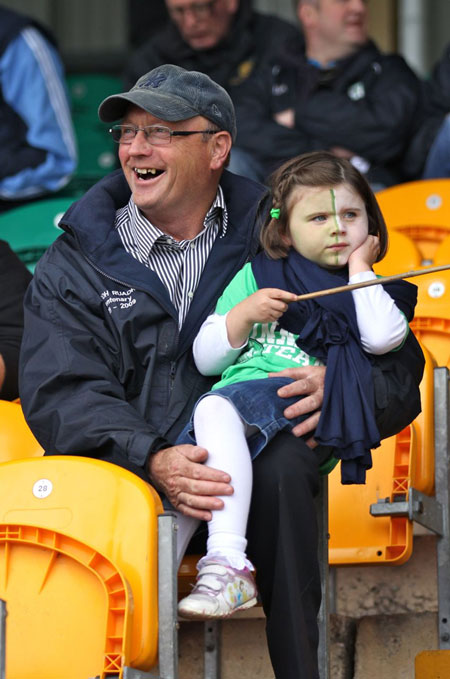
x=189, y=18
x=140, y=143
x=358, y=6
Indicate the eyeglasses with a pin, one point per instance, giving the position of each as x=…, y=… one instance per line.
x=156, y=135
x=200, y=10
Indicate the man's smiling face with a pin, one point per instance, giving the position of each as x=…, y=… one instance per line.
x=166, y=181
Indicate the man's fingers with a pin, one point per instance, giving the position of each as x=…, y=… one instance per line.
x=206, y=488
x=306, y=427
x=200, y=514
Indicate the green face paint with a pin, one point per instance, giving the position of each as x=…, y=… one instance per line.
x=326, y=225
x=336, y=222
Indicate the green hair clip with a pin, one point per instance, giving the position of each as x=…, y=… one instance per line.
x=275, y=213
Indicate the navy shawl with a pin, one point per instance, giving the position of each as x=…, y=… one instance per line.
x=328, y=329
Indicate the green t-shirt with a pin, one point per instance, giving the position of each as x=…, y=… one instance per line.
x=268, y=349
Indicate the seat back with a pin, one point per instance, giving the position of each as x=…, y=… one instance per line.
x=30, y=229
x=431, y=323
x=401, y=462
x=82, y=533
x=356, y=537
x=16, y=438
x=420, y=210
x=402, y=255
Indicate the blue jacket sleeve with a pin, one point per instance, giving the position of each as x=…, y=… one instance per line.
x=32, y=82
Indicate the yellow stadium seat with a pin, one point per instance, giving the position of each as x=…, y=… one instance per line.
x=356, y=537
x=432, y=665
x=401, y=462
x=423, y=470
x=431, y=323
x=16, y=439
x=420, y=210
x=442, y=255
x=78, y=561
x=402, y=255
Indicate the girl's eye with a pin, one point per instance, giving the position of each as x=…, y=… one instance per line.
x=350, y=214
x=319, y=218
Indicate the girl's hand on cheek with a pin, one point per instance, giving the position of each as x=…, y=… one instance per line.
x=364, y=256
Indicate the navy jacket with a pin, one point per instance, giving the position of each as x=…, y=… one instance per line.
x=104, y=370
x=14, y=280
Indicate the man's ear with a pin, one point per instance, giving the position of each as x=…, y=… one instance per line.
x=220, y=148
x=306, y=13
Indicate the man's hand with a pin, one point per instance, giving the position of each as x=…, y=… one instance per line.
x=191, y=487
x=309, y=382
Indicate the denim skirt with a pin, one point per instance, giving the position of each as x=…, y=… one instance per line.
x=258, y=405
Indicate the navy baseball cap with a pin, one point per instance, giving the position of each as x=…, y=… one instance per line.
x=172, y=93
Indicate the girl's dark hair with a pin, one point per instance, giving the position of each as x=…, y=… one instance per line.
x=314, y=170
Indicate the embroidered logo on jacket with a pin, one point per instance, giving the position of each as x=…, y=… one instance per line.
x=118, y=299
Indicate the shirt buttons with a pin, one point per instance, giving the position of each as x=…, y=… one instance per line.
x=192, y=246
x=190, y=294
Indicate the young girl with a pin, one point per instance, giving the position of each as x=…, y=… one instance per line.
x=325, y=229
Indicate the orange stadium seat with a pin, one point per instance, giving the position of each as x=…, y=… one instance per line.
x=401, y=462
x=420, y=210
x=431, y=323
x=402, y=255
x=78, y=561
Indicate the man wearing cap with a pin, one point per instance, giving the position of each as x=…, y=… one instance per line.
x=110, y=317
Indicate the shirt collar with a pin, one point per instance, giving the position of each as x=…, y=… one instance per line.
x=145, y=234
x=317, y=64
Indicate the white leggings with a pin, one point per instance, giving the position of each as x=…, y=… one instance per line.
x=220, y=429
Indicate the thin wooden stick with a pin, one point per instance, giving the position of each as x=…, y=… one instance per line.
x=374, y=281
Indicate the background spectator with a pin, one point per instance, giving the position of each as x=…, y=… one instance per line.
x=38, y=153
x=225, y=39
x=335, y=91
x=438, y=91
x=146, y=18
x=14, y=279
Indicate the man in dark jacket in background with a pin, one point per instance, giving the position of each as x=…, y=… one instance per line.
x=225, y=39
x=14, y=280
x=336, y=91
x=438, y=100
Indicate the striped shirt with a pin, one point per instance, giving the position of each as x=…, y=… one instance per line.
x=178, y=264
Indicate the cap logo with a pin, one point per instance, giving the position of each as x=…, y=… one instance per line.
x=216, y=110
x=155, y=81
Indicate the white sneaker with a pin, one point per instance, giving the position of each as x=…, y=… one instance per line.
x=219, y=591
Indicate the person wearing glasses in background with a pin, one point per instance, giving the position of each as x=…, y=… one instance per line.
x=110, y=317
x=226, y=39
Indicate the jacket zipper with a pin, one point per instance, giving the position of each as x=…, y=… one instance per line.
x=173, y=364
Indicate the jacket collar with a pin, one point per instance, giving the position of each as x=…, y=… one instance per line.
x=91, y=221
